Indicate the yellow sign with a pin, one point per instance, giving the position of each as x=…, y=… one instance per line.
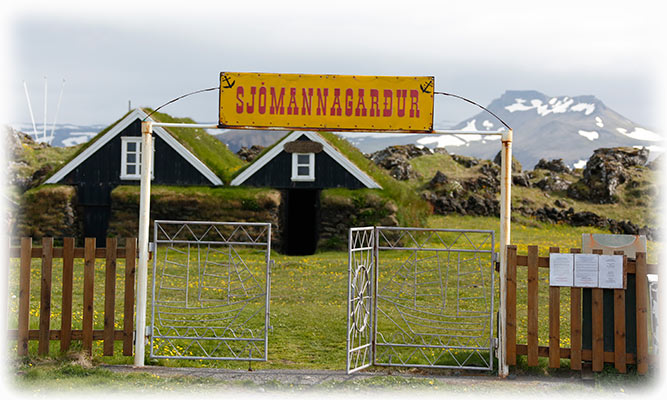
x=326, y=102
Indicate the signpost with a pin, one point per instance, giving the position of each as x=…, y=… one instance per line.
x=326, y=102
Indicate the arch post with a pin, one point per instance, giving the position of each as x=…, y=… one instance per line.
x=505, y=220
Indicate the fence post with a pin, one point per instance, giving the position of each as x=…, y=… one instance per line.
x=619, y=323
x=110, y=295
x=128, y=306
x=88, y=289
x=597, y=326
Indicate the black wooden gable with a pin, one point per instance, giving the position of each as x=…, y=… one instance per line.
x=331, y=168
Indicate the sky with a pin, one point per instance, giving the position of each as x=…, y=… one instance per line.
x=148, y=53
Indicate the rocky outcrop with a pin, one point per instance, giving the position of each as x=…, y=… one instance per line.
x=396, y=159
x=556, y=165
x=249, y=154
x=516, y=165
x=605, y=171
x=552, y=183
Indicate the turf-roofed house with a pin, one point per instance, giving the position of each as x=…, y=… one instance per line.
x=182, y=157
x=301, y=165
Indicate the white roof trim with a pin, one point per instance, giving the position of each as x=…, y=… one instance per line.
x=328, y=149
x=159, y=131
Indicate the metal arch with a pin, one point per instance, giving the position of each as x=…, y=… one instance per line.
x=211, y=290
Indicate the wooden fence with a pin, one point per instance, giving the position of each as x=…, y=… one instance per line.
x=576, y=354
x=89, y=253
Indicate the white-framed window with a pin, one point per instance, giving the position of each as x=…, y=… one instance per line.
x=303, y=167
x=130, y=158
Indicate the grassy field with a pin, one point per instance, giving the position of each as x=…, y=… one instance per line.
x=308, y=301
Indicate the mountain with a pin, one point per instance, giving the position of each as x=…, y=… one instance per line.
x=64, y=135
x=544, y=127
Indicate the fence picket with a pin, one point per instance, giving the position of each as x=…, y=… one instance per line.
x=532, y=306
x=554, y=322
x=597, y=326
x=511, y=305
x=128, y=309
x=642, y=308
x=68, y=276
x=575, y=324
x=110, y=295
x=24, y=297
x=45, y=297
x=88, y=289
x=619, y=324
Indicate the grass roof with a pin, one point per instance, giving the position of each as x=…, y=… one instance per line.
x=212, y=152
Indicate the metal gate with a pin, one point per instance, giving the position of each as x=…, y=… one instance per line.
x=211, y=287
x=420, y=298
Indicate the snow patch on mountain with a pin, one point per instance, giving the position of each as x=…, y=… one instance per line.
x=641, y=134
x=580, y=164
x=598, y=122
x=554, y=105
x=587, y=108
x=590, y=135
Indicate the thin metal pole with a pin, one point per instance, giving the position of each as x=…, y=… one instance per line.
x=144, y=219
x=32, y=116
x=505, y=215
x=45, y=96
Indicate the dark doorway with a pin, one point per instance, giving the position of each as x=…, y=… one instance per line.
x=96, y=222
x=301, y=221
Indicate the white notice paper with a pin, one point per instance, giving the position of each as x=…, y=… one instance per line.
x=561, y=269
x=586, y=270
x=611, y=272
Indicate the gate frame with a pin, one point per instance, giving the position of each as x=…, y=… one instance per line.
x=375, y=263
x=267, y=274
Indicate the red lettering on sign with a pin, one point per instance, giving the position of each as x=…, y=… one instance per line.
x=335, y=107
x=322, y=101
x=307, y=101
x=375, y=108
x=387, y=103
x=250, y=107
x=361, y=107
x=277, y=103
x=239, y=98
x=261, y=102
x=349, y=95
x=414, y=107
x=292, y=100
x=400, y=108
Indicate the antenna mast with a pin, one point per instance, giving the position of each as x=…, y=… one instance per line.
x=60, y=97
x=32, y=117
x=45, y=93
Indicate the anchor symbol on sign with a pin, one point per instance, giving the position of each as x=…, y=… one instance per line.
x=229, y=85
x=424, y=88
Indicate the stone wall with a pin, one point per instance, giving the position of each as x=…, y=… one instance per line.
x=48, y=211
x=344, y=209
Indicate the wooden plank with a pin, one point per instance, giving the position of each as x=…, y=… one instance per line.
x=642, y=309
x=511, y=306
x=128, y=307
x=110, y=295
x=68, y=276
x=532, y=306
x=575, y=324
x=88, y=292
x=24, y=297
x=56, y=334
x=597, y=326
x=619, y=323
x=554, y=322
x=79, y=252
x=45, y=297
x=587, y=355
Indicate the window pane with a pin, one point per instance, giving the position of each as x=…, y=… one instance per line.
x=131, y=158
x=131, y=170
x=131, y=146
x=303, y=159
x=303, y=171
